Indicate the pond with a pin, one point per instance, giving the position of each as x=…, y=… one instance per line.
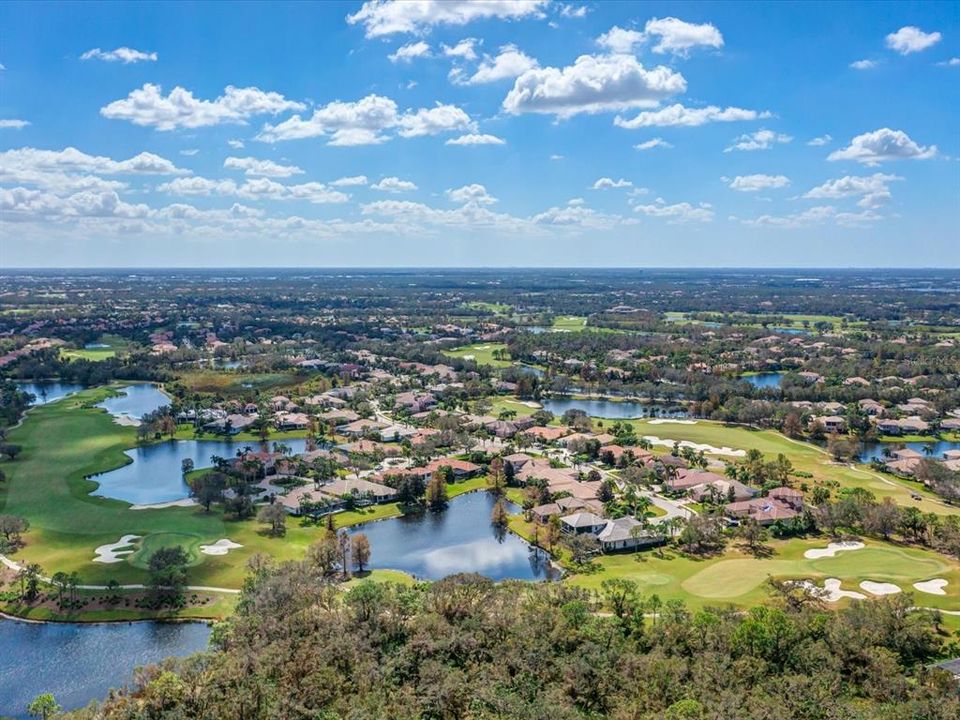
x=611, y=409
x=764, y=380
x=136, y=401
x=531, y=370
x=872, y=451
x=460, y=539
x=80, y=662
x=48, y=391
x=155, y=475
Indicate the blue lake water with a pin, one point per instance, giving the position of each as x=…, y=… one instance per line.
x=459, y=539
x=155, y=475
x=48, y=391
x=764, y=380
x=136, y=401
x=610, y=409
x=80, y=662
x=873, y=451
x=531, y=370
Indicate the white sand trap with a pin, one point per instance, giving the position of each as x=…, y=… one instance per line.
x=710, y=449
x=932, y=587
x=832, y=549
x=831, y=591
x=126, y=420
x=664, y=421
x=529, y=403
x=877, y=588
x=185, y=502
x=220, y=547
x=111, y=553
x=469, y=357
x=834, y=593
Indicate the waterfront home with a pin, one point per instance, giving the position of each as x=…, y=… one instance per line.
x=291, y=421
x=582, y=522
x=562, y=506
x=626, y=533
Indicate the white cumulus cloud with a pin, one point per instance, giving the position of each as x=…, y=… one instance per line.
x=592, y=84
x=754, y=183
x=394, y=185
x=911, y=39
x=13, y=124
x=261, y=168
x=121, y=54
x=682, y=212
x=474, y=193
x=476, y=139
x=759, y=140
x=652, y=144
x=387, y=17
x=873, y=190
x=511, y=62
x=678, y=37
x=410, y=52
x=149, y=107
x=873, y=148
x=606, y=183
x=680, y=115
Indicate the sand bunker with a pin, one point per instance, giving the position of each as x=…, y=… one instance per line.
x=185, y=502
x=832, y=549
x=831, y=591
x=878, y=588
x=126, y=420
x=469, y=357
x=932, y=587
x=220, y=547
x=112, y=553
x=664, y=421
x=654, y=440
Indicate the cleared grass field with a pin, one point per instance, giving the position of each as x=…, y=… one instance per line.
x=482, y=354
x=113, y=344
x=739, y=579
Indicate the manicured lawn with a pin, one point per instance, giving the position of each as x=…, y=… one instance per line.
x=482, y=353
x=569, y=323
x=520, y=407
x=114, y=344
x=804, y=456
x=739, y=578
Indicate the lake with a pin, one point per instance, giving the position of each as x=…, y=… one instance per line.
x=136, y=401
x=155, y=474
x=48, y=391
x=461, y=539
x=874, y=450
x=80, y=662
x=610, y=409
x=764, y=380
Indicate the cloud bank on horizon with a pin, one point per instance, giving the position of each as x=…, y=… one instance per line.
x=480, y=132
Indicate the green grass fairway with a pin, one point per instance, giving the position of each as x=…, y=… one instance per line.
x=482, y=353
x=114, y=345
x=804, y=456
x=739, y=579
x=569, y=323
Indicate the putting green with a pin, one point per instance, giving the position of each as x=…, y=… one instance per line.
x=155, y=541
x=879, y=563
x=733, y=578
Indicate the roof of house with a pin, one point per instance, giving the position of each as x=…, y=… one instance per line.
x=582, y=520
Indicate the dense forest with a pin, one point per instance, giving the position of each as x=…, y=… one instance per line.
x=465, y=647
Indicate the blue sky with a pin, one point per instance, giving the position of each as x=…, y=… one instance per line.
x=514, y=133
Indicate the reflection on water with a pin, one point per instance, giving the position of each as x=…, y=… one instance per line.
x=460, y=539
x=136, y=401
x=611, y=409
x=48, y=391
x=80, y=662
x=155, y=475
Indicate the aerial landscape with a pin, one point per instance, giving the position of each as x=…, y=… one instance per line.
x=480, y=359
